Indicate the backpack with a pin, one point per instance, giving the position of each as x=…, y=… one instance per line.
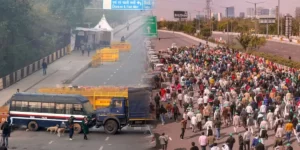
x=298, y=128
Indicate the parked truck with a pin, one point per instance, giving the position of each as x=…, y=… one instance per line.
x=133, y=111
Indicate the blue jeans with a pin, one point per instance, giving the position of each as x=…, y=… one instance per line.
x=5, y=140
x=218, y=132
x=288, y=135
x=162, y=118
x=44, y=71
x=71, y=132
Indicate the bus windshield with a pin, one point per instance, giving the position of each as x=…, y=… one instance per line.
x=88, y=108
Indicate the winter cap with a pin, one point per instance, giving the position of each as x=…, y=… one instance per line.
x=230, y=134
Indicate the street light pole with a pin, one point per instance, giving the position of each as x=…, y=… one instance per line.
x=255, y=13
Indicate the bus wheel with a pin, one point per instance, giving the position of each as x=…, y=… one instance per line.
x=111, y=127
x=32, y=126
x=77, y=128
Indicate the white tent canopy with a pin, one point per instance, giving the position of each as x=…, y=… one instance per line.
x=101, y=33
x=103, y=25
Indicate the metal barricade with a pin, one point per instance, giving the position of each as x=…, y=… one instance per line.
x=122, y=46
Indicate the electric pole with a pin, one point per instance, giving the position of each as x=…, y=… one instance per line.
x=255, y=13
x=208, y=13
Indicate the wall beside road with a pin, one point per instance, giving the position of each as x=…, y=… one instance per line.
x=18, y=75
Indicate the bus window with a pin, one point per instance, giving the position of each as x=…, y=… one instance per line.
x=48, y=107
x=69, y=108
x=13, y=105
x=34, y=106
x=78, y=109
x=60, y=108
x=21, y=106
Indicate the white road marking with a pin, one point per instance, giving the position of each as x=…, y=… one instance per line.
x=108, y=79
x=50, y=142
x=107, y=138
x=115, y=72
x=117, y=68
x=101, y=148
x=109, y=144
x=104, y=83
x=170, y=138
x=111, y=75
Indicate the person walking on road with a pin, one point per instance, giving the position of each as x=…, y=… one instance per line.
x=183, y=127
x=89, y=50
x=289, y=128
x=230, y=141
x=236, y=122
x=194, y=123
x=199, y=120
x=44, y=66
x=260, y=146
x=71, y=127
x=247, y=137
x=175, y=112
x=218, y=125
x=194, y=147
x=85, y=127
x=203, y=141
x=241, y=142
x=162, y=112
x=162, y=141
x=5, y=133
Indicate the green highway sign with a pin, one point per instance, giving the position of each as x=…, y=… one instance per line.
x=150, y=26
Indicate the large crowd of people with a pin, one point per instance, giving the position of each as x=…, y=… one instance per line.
x=212, y=88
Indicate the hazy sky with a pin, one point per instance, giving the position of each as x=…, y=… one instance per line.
x=164, y=8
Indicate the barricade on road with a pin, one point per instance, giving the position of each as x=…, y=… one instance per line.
x=105, y=55
x=122, y=46
x=98, y=96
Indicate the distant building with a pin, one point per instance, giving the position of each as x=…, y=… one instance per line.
x=242, y=15
x=217, y=16
x=273, y=11
x=250, y=12
x=264, y=12
x=259, y=11
x=230, y=12
x=200, y=17
x=297, y=13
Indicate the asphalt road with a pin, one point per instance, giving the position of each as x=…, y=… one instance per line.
x=126, y=140
x=276, y=48
x=173, y=129
x=126, y=72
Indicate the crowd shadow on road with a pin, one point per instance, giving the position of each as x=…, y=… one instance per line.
x=180, y=149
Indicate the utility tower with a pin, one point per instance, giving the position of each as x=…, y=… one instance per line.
x=208, y=9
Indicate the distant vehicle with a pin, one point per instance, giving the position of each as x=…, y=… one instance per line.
x=44, y=110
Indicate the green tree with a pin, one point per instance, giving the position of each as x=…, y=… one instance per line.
x=70, y=10
x=206, y=32
x=244, y=39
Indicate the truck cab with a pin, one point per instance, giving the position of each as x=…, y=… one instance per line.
x=133, y=111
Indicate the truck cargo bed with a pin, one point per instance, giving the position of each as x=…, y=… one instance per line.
x=139, y=100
